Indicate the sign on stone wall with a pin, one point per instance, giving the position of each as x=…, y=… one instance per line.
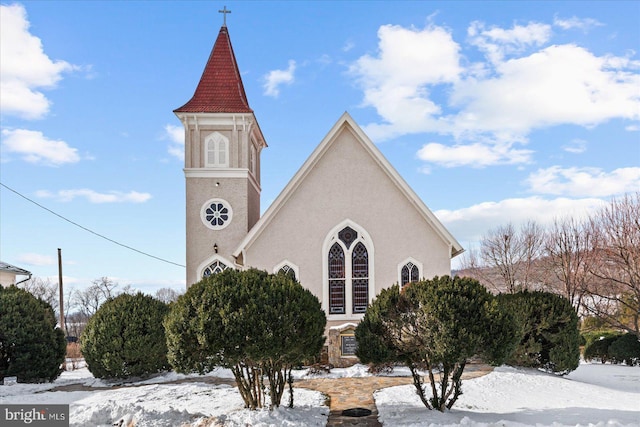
x=348, y=345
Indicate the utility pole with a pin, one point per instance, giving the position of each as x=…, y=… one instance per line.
x=60, y=287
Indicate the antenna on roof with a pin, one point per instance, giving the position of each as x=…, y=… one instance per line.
x=224, y=12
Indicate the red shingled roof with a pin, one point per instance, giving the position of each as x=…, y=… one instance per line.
x=220, y=89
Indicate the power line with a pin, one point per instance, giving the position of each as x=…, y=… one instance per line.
x=90, y=231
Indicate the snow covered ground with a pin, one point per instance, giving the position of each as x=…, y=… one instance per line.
x=594, y=395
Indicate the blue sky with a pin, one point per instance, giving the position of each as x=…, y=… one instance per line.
x=493, y=112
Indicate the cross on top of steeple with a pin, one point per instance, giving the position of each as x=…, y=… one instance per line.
x=224, y=12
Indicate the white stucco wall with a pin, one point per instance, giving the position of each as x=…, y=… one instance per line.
x=347, y=183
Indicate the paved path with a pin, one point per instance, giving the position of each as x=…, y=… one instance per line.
x=353, y=392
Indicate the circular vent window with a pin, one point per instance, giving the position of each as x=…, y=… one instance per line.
x=216, y=214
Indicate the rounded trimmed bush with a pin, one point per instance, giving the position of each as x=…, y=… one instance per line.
x=549, y=335
x=599, y=349
x=254, y=323
x=31, y=347
x=437, y=324
x=625, y=349
x=126, y=338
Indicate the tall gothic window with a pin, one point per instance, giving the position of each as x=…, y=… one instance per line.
x=360, y=275
x=336, y=280
x=349, y=259
x=217, y=150
x=409, y=274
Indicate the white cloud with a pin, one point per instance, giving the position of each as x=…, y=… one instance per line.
x=475, y=155
x=576, y=146
x=525, y=86
x=176, y=136
x=563, y=84
x=276, y=78
x=396, y=81
x=471, y=223
x=498, y=42
x=584, y=182
x=34, y=147
x=95, y=197
x=584, y=24
x=36, y=259
x=24, y=67
x=632, y=128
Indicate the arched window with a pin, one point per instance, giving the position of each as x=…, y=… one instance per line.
x=217, y=150
x=409, y=274
x=348, y=271
x=360, y=278
x=336, y=280
x=287, y=270
x=216, y=267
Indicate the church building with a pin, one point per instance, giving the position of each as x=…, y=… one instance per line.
x=346, y=225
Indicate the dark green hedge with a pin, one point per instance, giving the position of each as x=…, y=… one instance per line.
x=549, y=335
x=31, y=347
x=614, y=348
x=125, y=338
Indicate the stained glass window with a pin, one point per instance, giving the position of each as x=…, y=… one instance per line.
x=285, y=269
x=360, y=282
x=409, y=274
x=336, y=280
x=347, y=235
x=215, y=268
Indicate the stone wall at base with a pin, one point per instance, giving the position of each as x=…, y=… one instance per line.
x=342, y=345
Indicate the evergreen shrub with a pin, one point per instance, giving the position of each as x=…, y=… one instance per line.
x=31, y=347
x=592, y=336
x=548, y=329
x=436, y=325
x=625, y=349
x=599, y=349
x=254, y=323
x=125, y=338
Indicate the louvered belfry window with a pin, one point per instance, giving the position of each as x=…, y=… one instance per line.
x=336, y=280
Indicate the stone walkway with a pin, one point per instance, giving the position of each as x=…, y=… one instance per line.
x=353, y=392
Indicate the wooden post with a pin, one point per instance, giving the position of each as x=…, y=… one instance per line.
x=61, y=293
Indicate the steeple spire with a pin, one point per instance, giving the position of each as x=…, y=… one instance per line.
x=220, y=89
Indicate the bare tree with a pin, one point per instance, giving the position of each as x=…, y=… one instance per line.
x=569, y=257
x=43, y=289
x=615, y=295
x=513, y=255
x=532, y=237
x=167, y=295
x=88, y=301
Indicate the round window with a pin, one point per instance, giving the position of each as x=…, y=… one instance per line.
x=216, y=214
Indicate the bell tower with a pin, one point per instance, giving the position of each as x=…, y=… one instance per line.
x=223, y=142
